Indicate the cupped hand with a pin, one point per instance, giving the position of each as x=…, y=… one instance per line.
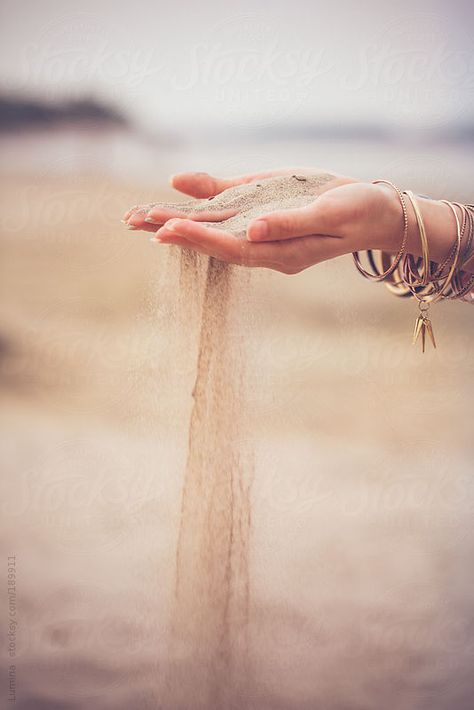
x=343, y=219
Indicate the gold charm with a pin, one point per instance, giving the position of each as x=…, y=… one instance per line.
x=423, y=325
x=429, y=329
x=418, y=326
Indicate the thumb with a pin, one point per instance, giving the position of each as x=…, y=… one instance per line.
x=287, y=224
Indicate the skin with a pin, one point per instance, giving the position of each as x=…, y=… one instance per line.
x=349, y=215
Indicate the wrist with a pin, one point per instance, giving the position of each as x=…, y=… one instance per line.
x=390, y=222
x=438, y=219
x=441, y=229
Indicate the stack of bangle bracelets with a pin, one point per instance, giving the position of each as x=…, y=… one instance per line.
x=409, y=276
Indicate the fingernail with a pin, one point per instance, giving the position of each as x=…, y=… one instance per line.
x=258, y=229
x=151, y=220
x=155, y=240
x=173, y=224
x=124, y=221
x=130, y=226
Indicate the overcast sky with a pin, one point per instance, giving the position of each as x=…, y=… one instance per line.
x=250, y=63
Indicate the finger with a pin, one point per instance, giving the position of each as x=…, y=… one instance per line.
x=202, y=184
x=290, y=223
x=286, y=256
x=198, y=184
x=220, y=244
x=129, y=212
x=139, y=213
x=210, y=248
x=141, y=227
x=136, y=213
x=172, y=238
x=159, y=215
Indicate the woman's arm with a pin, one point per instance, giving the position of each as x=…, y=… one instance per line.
x=349, y=216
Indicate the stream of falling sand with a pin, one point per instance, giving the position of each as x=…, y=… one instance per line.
x=210, y=616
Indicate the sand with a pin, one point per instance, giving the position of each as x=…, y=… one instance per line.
x=252, y=200
x=210, y=614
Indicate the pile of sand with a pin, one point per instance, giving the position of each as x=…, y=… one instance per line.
x=252, y=200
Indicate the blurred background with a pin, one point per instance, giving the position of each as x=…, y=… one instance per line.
x=363, y=532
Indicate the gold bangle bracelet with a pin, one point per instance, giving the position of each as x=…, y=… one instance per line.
x=376, y=276
x=424, y=279
x=457, y=254
x=428, y=282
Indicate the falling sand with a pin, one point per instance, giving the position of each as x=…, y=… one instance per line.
x=211, y=608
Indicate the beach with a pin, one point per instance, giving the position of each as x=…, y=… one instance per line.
x=362, y=499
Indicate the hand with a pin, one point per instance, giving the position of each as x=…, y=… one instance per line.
x=350, y=216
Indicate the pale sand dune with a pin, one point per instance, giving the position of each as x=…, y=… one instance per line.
x=362, y=534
